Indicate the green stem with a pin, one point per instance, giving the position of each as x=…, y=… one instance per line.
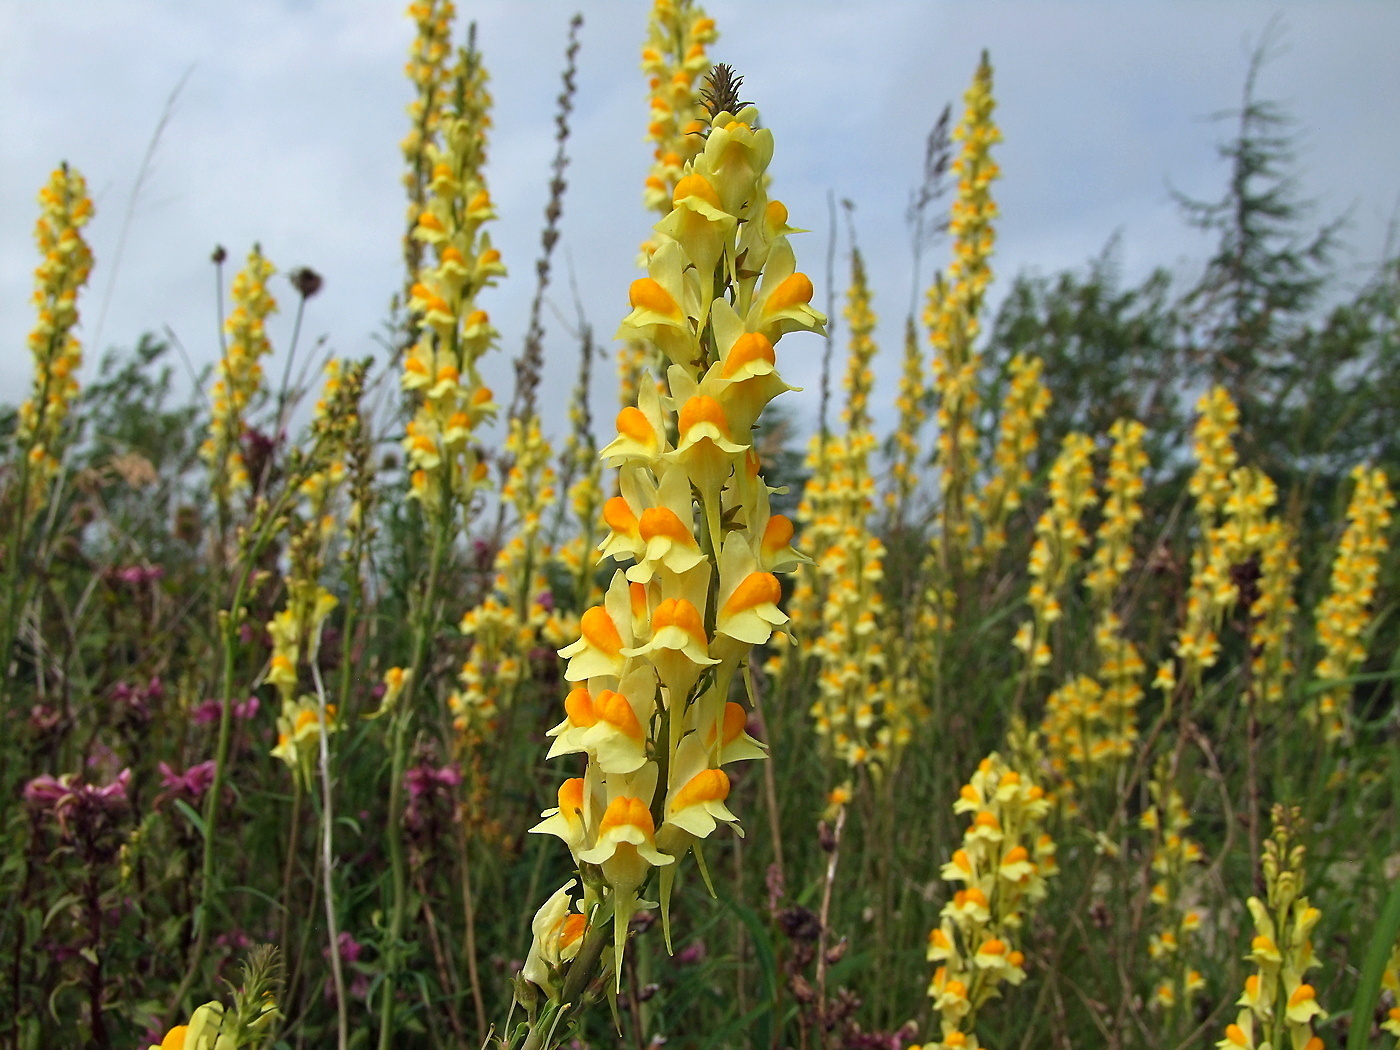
x=229, y=627
x=423, y=631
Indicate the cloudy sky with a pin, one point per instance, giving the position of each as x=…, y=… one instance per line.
x=286, y=132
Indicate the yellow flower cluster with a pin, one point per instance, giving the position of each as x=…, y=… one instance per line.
x=904, y=471
x=652, y=670
x=1390, y=981
x=202, y=1032
x=1059, y=543
x=852, y=712
x=1001, y=868
x=1122, y=510
x=1345, y=614
x=65, y=263
x=818, y=514
x=1090, y=725
x=295, y=629
x=1213, y=445
x=506, y=627
x=1272, y=613
x=673, y=59
x=212, y=1027
x=240, y=376
x=1026, y=402
x=1278, y=1006
x=954, y=302
x=1232, y=510
x=1173, y=923
x=440, y=371
x=427, y=70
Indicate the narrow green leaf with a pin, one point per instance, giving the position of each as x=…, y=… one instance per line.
x=1369, y=990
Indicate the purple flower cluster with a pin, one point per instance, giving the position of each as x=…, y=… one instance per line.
x=134, y=701
x=138, y=575
x=429, y=794
x=350, y=951
x=189, y=785
x=79, y=809
x=208, y=711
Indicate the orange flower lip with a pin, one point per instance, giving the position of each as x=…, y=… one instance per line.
x=678, y=612
x=735, y=719
x=598, y=630
x=571, y=929
x=696, y=186
x=571, y=798
x=757, y=588
x=618, y=516
x=580, y=708
x=613, y=708
x=703, y=409
x=647, y=294
x=748, y=348
x=633, y=423
x=778, y=533
x=627, y=810
x=663, y=521
x=710, y=785
x=795, y=289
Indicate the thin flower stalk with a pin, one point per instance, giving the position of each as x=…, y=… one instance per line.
x=904, y=469
x=449, y=402
x=1175, y=855
x=674, y=57
x=1214, y=590
x=429, y=72
x=1213, y=447
x=441, y=372
x=1018, y=435
x=851, y=712
x=952, y=313
x=1000, y=870
x=239, y=382
x=1059, y=545
x=1279, y=1006
x=651, y=672
x=1344, y=616
x=64, y=266
x=1272, y=614
x=506, y=626
x=1122, y=511
x=1090, y=724
x=297, y=627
